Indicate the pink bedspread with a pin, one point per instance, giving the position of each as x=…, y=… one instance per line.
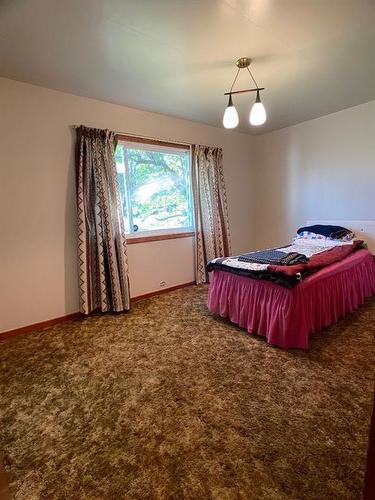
x=286, y=317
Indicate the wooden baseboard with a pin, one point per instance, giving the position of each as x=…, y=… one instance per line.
x=40, y=325
x=163, y=290
x=77, y=315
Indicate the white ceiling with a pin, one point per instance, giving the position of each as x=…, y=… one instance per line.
x=176, y=56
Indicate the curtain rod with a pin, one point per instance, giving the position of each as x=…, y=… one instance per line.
x=143, y=136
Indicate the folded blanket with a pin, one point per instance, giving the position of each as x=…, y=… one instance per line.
x=294, y=258
x=319, y=259
x=273, y=256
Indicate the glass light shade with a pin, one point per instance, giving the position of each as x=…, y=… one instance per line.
x=258, y=114
x=230, y=118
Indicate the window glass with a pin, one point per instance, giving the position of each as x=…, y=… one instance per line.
x=155, y=187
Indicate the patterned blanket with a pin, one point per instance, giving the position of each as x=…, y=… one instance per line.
x=320, y=253
x=274, y=257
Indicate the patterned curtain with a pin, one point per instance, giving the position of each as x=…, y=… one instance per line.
x=211, y=210
x=103, y=262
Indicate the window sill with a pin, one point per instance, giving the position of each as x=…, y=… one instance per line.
x=158, y=237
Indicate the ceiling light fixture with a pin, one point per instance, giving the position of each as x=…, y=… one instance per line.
x=258, y=114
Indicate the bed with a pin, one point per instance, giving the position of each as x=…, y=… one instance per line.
x=287, y=314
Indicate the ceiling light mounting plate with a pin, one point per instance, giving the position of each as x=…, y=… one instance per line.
x=243, y=62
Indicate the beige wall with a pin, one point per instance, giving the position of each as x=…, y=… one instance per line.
x=37, y=199
x=171, y=261
x=320, y=169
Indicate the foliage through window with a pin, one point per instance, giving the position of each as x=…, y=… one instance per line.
x=155, y=187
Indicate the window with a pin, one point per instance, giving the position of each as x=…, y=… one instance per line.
x=155, y=187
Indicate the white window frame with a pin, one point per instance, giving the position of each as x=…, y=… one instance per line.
x=150, y=234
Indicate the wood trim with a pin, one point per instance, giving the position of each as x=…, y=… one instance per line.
x=156, y=142
x=163, y=290
x=159, y=237
x=78, y=315
x=39, y=326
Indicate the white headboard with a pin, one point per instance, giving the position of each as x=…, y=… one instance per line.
x=364, y=229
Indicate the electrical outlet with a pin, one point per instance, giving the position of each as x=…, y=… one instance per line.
x=162, y=284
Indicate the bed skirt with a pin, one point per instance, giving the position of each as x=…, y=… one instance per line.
x=286, y=317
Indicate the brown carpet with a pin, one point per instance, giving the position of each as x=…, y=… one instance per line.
x=170, y=402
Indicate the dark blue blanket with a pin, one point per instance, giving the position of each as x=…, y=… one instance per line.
x=263, y=257
x=276, y=257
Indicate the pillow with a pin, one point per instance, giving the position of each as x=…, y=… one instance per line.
x=309, y=235
x=327, y=230
x=348, y=237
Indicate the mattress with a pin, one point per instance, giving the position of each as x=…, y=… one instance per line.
x=288, y=316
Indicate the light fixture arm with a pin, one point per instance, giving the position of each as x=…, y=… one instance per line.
x=234, y=81
x=244, y=63
x=250, y=73
x=257, y=89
